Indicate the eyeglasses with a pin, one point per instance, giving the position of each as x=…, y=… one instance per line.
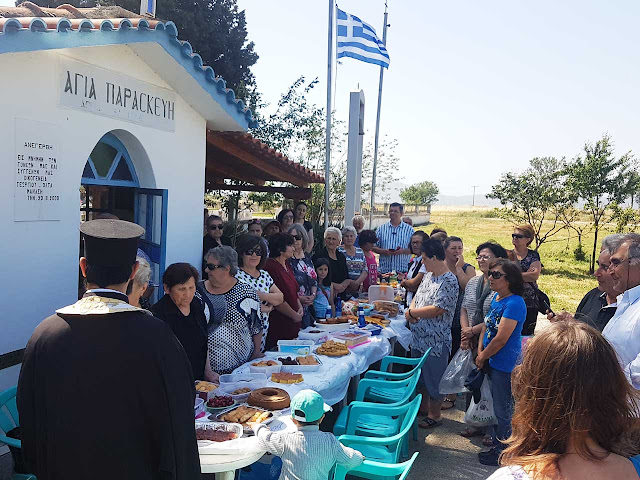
x=212, y=267
x=483, y=257
x=615, y=263
x=297, y=237
x=253, y=251
x=496, y=275
x=214, y=227
x=518, y=235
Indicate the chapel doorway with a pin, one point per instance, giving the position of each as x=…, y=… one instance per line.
x=110, y=186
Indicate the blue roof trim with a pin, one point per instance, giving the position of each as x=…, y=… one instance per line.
x=15, y=38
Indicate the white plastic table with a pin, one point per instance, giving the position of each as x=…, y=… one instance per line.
x=225, y=466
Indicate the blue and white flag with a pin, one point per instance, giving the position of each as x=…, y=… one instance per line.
x=358, y=40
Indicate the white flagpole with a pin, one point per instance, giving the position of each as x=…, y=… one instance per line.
x=375, y=148
x=327, y=167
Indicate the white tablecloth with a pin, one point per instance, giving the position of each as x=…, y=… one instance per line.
x=332, y=379
x=398, y=329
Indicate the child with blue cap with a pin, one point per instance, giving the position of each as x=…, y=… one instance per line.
x=307, y=453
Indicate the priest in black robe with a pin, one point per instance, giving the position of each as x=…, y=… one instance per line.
x=105, y=389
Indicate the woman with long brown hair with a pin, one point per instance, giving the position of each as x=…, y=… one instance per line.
x=575, y=413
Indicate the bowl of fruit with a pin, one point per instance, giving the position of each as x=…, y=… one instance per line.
x=219, y=402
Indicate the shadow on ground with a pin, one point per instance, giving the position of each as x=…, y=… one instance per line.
x=444, y=454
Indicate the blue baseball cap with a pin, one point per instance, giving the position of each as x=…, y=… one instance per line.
x=308, y=406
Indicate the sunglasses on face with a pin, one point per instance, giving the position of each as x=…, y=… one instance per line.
x=297, y=237
x=253, y=251
x=483, y=257
x=518, y=235
x=218, y=227
x=212, y=267
x=496, y=275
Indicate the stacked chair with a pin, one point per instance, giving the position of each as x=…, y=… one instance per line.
x=8, y=421
x=378, y=422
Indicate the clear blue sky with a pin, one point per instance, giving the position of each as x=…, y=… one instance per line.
x=474, y=88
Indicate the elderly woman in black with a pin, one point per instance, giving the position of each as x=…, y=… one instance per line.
x=235, y=332
x=338, y=262
x=184, y=313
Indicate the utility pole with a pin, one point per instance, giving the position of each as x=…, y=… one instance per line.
x=473, y=199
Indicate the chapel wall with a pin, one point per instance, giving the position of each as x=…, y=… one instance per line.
x=40, y=258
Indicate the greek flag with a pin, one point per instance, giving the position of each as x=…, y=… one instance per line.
x=358, y=40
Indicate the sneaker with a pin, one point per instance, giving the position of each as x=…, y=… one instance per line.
x=489, y=458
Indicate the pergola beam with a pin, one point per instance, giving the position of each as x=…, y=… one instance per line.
x=252, y=160
x=288, y=192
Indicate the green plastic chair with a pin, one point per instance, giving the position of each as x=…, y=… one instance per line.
x=8, y=421
x=381, y=449
x=383, y=395
x=380, y=471
x=376, y=425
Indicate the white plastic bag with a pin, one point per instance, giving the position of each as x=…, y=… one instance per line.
x=482, y=414
x=456, y=373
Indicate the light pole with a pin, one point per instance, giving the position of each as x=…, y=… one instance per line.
x=473, y=199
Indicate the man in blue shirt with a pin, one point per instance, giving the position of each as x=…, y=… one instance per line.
x=393, y=242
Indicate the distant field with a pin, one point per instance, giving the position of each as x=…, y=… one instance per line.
x=563, y=278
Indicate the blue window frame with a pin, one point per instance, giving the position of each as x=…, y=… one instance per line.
x=110, y=164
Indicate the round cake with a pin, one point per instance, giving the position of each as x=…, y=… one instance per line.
x=269, y=398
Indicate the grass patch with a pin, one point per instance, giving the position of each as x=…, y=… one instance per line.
x=563, y=278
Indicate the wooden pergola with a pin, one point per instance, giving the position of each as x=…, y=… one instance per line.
x=241, y=157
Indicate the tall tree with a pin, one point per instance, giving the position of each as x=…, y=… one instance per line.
x=538, y=196
x=423, y=193
x=216, y=29
x=601, y=181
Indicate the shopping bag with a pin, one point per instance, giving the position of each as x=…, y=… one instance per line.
x=456, y=373
x=481, y=414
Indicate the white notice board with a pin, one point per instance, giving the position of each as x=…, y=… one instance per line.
x=37, y=172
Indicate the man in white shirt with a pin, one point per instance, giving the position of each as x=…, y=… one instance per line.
x=623, y=330
x=393, y=242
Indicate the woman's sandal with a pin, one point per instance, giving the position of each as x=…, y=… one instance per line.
x=471, y=432
x=429, y=423
x=447, y=404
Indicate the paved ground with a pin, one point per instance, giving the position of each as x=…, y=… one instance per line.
x=444, y=454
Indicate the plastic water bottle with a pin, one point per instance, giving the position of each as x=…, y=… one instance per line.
x=361, y=320
x=328, y=314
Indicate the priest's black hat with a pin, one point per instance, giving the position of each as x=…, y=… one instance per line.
x=110, y=243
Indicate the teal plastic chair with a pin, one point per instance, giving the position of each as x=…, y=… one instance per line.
x=380, y=471
x=383, y=394
x=375, y=425
x=381, y=449
x=8, y=421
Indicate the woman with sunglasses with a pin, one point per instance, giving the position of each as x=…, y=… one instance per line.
x=214, y=237
x=252, y=255
x=303, y=270
x=286, y=319
x=531, y=267
x=285, y=217
x=475, y=305
x=416, y=270
x=231, y=307
x=501, y=346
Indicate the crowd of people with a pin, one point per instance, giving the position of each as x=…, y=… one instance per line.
x=278, y=279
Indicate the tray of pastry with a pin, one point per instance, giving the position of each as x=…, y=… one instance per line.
x=244, y=414
x=299, y=363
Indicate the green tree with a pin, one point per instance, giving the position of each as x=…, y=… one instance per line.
x=538, y=196
x=423, y=193
x=600, y=181
x=216, y=29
